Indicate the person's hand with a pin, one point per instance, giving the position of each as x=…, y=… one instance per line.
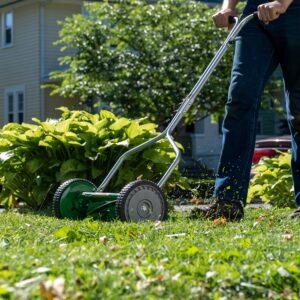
x=221, y=17
x=270, y=11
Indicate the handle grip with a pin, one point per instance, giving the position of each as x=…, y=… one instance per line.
x=231, y=20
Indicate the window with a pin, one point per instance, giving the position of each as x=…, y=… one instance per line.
x=14, y=105
x=7, y=29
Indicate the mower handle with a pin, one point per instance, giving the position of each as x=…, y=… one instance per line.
x=184, y=107
x=233, y=20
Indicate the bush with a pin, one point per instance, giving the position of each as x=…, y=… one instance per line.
x=143, y=54
x=273, y=181
x=36, y=158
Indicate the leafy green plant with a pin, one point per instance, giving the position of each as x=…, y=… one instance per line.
x=140, y=54
x=273, y=181
x=36, y=158
x=145, y=55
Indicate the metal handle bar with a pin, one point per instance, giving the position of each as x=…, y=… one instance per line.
x=184, y=107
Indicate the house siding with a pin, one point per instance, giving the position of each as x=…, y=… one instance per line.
x=19, y=64
x=55, y=12
x=53, y=102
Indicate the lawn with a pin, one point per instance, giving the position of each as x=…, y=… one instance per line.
x=43, y=258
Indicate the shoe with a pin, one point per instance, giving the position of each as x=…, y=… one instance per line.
x=230, y=210
x=294, y=214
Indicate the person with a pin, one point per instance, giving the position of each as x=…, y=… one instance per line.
x=265, y=42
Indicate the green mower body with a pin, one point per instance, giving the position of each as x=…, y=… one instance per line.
x=140, y=200
x=78, y=198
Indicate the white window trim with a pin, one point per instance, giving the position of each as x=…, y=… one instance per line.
x=3, y=45
x=14, y=90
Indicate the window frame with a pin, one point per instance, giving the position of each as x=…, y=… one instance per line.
x=14, y=91
x=3, y=29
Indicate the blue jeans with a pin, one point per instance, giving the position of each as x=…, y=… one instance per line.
x=259, y=49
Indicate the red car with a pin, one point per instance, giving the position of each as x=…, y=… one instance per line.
x=268, y=147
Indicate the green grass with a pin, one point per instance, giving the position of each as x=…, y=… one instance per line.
x=177, y=259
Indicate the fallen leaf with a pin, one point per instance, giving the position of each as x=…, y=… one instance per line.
x=260, y=219
x=287, y=236
x=283, y=272
x=224, y=221
x=195, y=200
x=103, y=239
x=217, y=221
x=53, y=290
x=176, y=235
x=176, y=277
x=41, y=270
x=238, y=236
x=142, y=284
x=159, y=278
x=220, y=221
x=4, y=243
x=286, y=293
x=14, y=203
x=29, y=281
x=131, y=233
x=45, y=293
x=210, y=274
x=158, y=225
x=271, y=294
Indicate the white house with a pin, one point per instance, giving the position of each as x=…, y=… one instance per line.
x=27, y=56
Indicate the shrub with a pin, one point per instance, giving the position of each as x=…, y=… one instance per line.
x=36, y=158
x=143, y=54
x=273, y=181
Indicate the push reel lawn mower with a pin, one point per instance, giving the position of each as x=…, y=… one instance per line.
x=142, y=199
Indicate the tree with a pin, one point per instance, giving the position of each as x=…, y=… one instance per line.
x=143, y=59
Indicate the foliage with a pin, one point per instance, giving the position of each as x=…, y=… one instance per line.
x=257, y=258
x=35, y=158
x=142, y=58
x=273, y=181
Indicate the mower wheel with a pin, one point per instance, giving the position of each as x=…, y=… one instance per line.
x=141, y=200
x=66, y=202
